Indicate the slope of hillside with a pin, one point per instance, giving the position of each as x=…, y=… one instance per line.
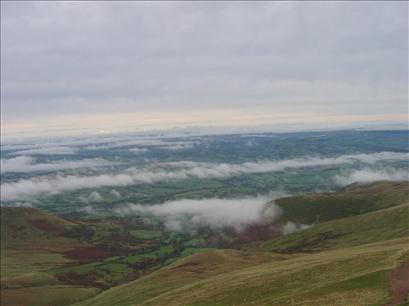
x=353, y=276
x=352, y=200
x=346, y=261
x=375, y=226
x=357, y=255
x=32, y=240
x=32, y=243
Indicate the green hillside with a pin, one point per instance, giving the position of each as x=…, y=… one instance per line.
x=355, y=253
x=375, y=226
x=352, y=200
x=350, y=276
x=33, y=243
x=346, y=261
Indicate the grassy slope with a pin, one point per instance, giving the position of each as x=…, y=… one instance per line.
x=375, y=226
x=31, y=245
x=355, y=252
x=353, y=200
x=31, y=241
x=350, y=276
x=356, y=255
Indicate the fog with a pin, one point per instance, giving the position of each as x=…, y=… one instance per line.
x=54, y=184
x=115, y=193
x=212, y=170
x=159, y=143
x=291, y=227
x=25, y=164
x=48, y=151
x=217, y=213
x=368, y=175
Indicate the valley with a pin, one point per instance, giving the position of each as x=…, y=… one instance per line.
x=357, y=238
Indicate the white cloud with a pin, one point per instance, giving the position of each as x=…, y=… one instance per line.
x=115, y=193
x=176, y=147
x=33, y=187
x=95, y=197
x=25, y=164
x=48, y=151
x=291, y=227
x=144, y=142
x=138, y=150
x=23, y=204
x=368, y=175
x=88, y=209
x=216, y=213
x=213, y=170
x=198, y=54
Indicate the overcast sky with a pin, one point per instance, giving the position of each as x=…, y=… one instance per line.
x=169, y=61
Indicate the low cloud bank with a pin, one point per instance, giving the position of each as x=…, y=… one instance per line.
x=48, y=185
x=178, y=146
x=216, y=213
x=25, y=164
x=213, y=170
x=159, y=143
x=23, y=204
x=368, y=175
x=138, y=150
x=48, y=151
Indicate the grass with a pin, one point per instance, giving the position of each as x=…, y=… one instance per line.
x=372, y=227
x=359, y=235
x=32, y=244
x=115, y=267
x=355, y=200
x=31, y=241
x=146, y=234
x=188, y=252
x=46, y=295
x=343, y=260
x=240, y=278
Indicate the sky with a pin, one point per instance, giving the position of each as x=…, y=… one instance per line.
x=111, y=66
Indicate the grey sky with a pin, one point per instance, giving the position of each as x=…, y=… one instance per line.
x=93, y=58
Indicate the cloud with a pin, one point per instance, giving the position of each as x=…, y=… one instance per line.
x=368, y=175
x=48, y=151
x=88, y=209
x=138, y=150
x=48, y=185
x=95, y=197
x=23, y=204
x=26, y=164
x=141, y=57
x=213, y=170
x=145, y=142
x=176, y=147
x=291, y=227
x=217, y=213
x=115, y=193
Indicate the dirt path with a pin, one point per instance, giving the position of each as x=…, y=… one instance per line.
x=399, y=283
